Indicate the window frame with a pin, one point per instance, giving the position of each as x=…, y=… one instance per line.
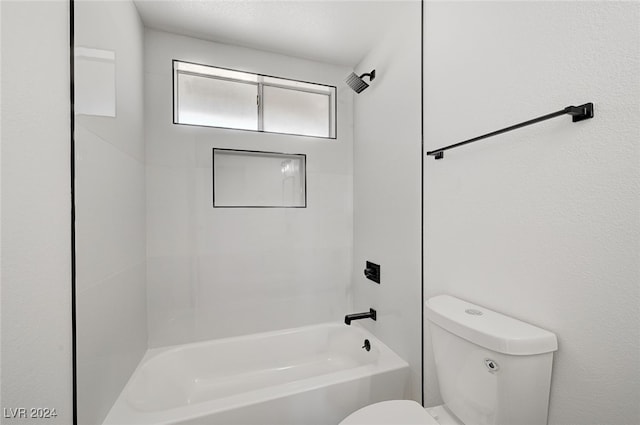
x=332, y=98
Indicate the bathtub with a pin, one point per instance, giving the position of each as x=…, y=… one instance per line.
x=303, y=376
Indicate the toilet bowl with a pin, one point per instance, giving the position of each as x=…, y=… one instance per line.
x=504, y=363
x=400, y=412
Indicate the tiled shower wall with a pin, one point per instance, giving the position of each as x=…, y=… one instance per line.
x=219, y=272
x=110, y=213
x=387, y=202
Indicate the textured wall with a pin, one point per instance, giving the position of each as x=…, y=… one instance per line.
x=110, y=213
x=36, y=205
x=387, y=190
x=229, y=271
x=542, y=223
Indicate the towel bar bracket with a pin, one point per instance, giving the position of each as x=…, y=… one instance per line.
x=579, y=113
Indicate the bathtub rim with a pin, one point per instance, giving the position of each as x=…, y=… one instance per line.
x=122, y=410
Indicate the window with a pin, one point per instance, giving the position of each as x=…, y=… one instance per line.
x=218, y=97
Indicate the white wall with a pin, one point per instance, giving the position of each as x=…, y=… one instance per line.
x=387, y=201
x=36, y=252
x=110, y=214
x=222, y=272
x=541, y=223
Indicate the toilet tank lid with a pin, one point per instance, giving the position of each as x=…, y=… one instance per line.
x=488, y=328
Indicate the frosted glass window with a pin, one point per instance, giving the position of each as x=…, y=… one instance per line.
x=301, y=85
x=258, y=179
x=296, y=112
x=218, y=103
x=228, y=74
x=218, y=97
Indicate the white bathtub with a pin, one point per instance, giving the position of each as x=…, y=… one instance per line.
x=304, y=376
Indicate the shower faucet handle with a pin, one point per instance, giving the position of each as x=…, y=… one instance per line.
x=372, y=271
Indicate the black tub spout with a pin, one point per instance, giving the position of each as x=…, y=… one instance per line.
x=357, y=316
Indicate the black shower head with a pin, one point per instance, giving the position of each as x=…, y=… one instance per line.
x=357, y=83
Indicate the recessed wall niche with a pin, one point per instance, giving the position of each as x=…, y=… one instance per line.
x=257, y=179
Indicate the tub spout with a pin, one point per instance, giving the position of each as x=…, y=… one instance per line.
x=357, y=316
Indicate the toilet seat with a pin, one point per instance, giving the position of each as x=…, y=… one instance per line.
x=393, y=412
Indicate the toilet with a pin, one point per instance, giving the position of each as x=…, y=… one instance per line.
x=492, y=370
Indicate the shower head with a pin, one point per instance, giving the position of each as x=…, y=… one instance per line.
x=357, y=83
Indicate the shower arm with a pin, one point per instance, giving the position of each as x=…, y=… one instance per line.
x=371, y=75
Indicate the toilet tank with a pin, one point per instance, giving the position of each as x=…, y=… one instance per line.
x=492, y=369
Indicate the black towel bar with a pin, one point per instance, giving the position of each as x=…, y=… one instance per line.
x=578, y=113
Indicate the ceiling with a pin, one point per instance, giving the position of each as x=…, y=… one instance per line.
x=333, y=31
